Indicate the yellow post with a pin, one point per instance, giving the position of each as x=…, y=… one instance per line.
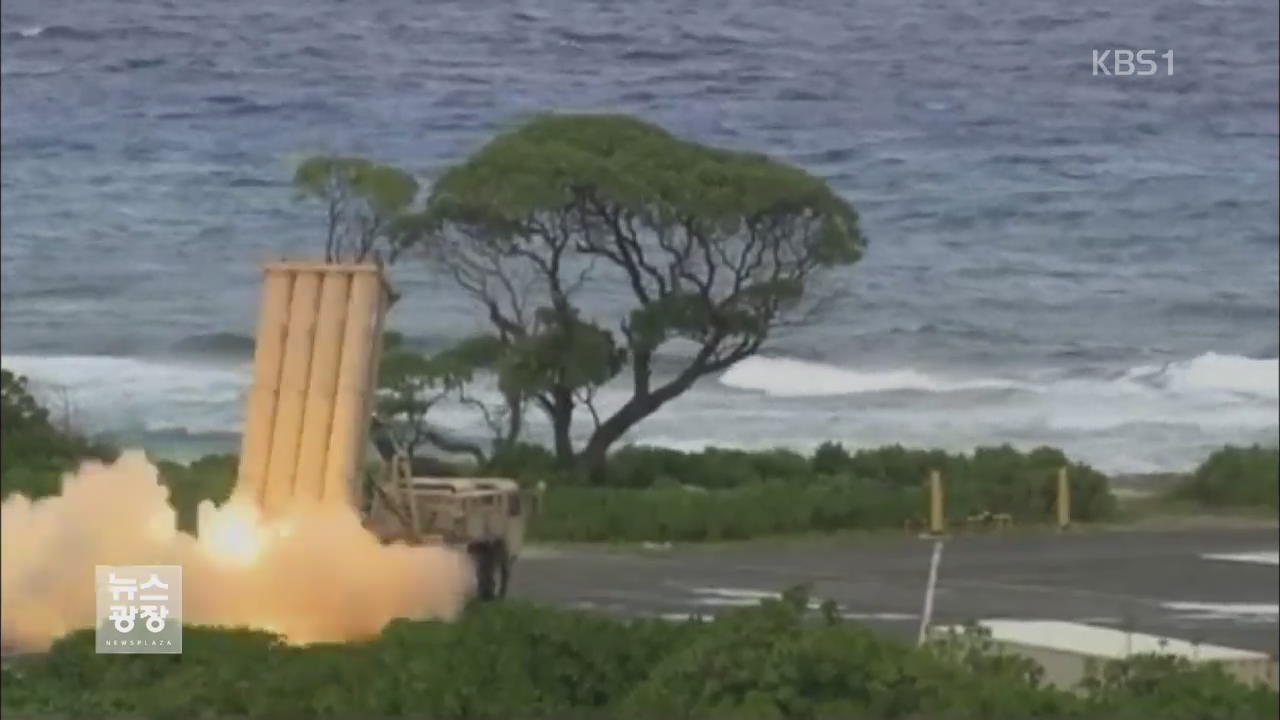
x=937, y=525
x=1064, y=499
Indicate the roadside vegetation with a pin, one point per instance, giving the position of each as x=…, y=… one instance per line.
x=1236, y=477
x=511, y=660
x=658, y=494
x=652, y=494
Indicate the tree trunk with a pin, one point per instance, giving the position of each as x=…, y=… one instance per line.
x=561, y=423
x=515, y=419
x=594, y=455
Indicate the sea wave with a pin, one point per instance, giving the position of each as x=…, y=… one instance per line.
x=1210, y=374
x=1144, y=418
x=788, y=377
x=219, y=344
x=104, y=394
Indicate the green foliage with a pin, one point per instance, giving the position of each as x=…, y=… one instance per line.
x=640, y=466
x=992, y=479
x=212, y=477
x=1237, y=476
x=411, y=383
x=34, y=453
x=524, y=461
x=715, y=247
x=512, y=660
x=1172, y=688
x=550, y=161
x=365, y=203
x=562, y=350
x=762, y=508
x=720, y=494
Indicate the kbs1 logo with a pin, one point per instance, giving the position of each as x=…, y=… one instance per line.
x=139, y=609
x=1124, y=63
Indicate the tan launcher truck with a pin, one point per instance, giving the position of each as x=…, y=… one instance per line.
x=485, y=516
x=309, y=416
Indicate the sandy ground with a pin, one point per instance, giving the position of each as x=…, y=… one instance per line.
x=1156, y=581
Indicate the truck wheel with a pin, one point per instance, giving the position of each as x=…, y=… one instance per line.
x=489, y=581
x=504, y=568
x=481, y=560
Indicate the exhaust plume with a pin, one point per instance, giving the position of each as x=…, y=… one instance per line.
x=311, y=574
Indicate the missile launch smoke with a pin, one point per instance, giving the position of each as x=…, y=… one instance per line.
x=312, y=574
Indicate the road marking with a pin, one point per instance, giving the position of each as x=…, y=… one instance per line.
x=1248, y=612
x=1264, y=557
x=881, y=616
x=682, y=617
x=736, y=593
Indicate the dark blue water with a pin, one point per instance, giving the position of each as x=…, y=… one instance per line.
x=1056, y=256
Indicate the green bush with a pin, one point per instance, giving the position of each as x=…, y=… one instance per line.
x=992, y=479
x=1172, y=688
x=1237, y=476
x=34, y=453
x=635, y=466
x=662, y=494
x=512, y=660
x=212, y=477
x=523, y=461
x=676, y=513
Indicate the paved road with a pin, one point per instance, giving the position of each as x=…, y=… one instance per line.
x=1159, y=582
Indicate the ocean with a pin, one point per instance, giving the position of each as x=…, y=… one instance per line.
x=1056, y=257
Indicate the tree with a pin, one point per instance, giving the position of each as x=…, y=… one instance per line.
x=713, y=247
x=412, y=383
x=34, y=451
x=364, y=203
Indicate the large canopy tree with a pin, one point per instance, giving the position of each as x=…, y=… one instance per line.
x=709, y=246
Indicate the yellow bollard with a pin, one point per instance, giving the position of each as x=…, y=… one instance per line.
x=937, y=525
x=1064, y=499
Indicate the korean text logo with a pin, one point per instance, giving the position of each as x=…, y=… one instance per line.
x=139, y=608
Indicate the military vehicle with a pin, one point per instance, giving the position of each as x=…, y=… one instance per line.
x=310, y=417
x=487, y=517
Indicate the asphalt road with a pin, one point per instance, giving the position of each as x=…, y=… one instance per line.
x=1154, y=582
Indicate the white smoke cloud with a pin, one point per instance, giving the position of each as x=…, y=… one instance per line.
x=313, y=574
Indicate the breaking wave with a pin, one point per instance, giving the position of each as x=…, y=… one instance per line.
x=1143, y=418
x=1207, y=374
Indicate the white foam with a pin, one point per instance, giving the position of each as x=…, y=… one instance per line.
x=754, y=596
x=681, y=616
x=1256, y=612
x=1214, y=373
x=125, y=393
x=1209, y=373
x=788, y=377
x=880, y=616
x=1265, y=557
x=1147, y=419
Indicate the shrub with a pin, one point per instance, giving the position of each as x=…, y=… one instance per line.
x=34, y=453
x=676, y=513
x=1172, y=688
x=1237, y=476
x=212, y=477
x=513, y=660
x=524, y=461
